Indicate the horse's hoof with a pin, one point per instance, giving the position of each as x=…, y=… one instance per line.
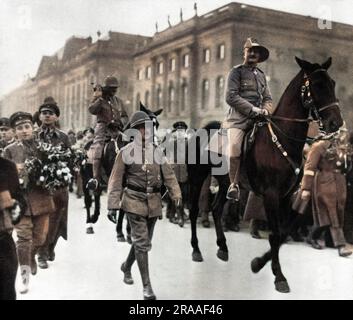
x=197, y=257
x=89, y=230
x=282, y=286
x=121, y=238
x=256, y=265
x=223, y=255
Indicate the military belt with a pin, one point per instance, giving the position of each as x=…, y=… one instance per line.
x=144, y=190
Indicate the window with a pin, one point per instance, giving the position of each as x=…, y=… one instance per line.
x=148, y=72
x=205, y=94
x=206, y=55
x=147, y=98
x=160, y=67
x=221, y=52
x=139, y=74
x=186, y=60
x=137, y=102
x=184, y=95
x=159, y=96
x=219, y=92
x=172, y=65
x=171, y=97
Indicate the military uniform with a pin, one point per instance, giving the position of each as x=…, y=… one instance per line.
x=32, y=230
x=327, y=185
x=5, y=124
x=144, y=169
x=8, y=256
x=58, y=218
x=108, y=110
x=177, y=147
x=247, y=95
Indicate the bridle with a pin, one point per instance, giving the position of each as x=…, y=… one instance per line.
x=308, y=103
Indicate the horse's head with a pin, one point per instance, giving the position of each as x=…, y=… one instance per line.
x=152, y=114
x=318, y=94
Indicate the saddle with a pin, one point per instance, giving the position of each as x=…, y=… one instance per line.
x=249, y=139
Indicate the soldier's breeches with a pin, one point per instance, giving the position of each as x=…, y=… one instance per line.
x=8, y=267
x=235, y=140
x=141, y=231
x=31, y=233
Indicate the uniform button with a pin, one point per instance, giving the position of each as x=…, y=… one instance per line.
x=148, y=182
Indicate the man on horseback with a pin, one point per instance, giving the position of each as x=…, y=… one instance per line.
x=248, y=96
x=110, y=113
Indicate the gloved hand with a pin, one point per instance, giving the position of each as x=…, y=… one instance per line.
x=112, y=213
x=259, y=113
x=306, y=194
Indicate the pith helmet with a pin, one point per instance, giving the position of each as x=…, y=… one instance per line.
x=139, y=117
x=252, y=43
x=111, y=82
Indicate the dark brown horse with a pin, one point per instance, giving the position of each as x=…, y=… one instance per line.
x=274, y=162
x=273, y=170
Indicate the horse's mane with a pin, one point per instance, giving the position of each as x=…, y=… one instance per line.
x=291, y=91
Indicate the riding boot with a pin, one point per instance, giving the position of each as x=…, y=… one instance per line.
x=233, y=192
x=142, y=261
x=25, y=274
x=343, y=251
x=126, y=266
x=254, y=229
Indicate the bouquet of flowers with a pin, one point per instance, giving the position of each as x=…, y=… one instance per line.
x=50, y=168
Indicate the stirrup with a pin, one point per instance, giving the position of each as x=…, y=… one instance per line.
x=233, y=192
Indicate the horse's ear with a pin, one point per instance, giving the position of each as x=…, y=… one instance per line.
x=305, y=65
x=327, y=64
x=142, y=107
x=158, y=112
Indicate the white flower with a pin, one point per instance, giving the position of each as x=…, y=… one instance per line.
x=41, y=179
x=21, y=181
x=58, y=172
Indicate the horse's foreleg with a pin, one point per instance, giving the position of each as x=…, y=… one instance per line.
x=97, y=206
x=273, y=207
x=88, y=204
x=217, y=210
x=194, y=210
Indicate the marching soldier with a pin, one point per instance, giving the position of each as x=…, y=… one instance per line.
x=7, y=135
x=110, y=112
x=49, y=114
x=141, y=199
x=33, y=227
x=325, y=184
x=248, y=96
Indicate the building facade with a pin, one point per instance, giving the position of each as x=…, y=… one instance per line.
x=69, y=76
x=184, y=68
x=188, y=64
